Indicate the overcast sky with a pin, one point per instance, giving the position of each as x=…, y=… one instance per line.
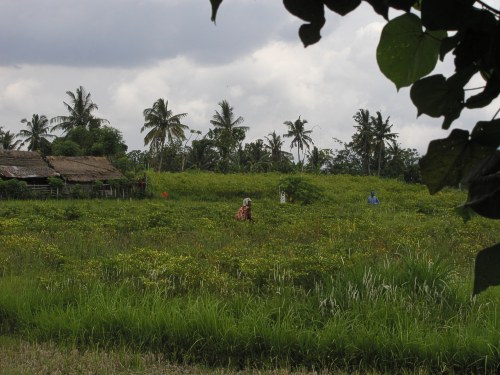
x=129, y=53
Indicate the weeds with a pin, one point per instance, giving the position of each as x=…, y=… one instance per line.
x=330, y=285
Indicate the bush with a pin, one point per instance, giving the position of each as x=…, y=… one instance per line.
x=72, y=213
x=55, y=182
x=98, y=184
x=15, y=189
x=298, y=189
x=76, y=191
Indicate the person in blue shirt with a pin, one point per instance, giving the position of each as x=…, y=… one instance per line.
x=372, y=199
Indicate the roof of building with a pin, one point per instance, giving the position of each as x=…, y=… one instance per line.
x=84, y=168
x=24, y=165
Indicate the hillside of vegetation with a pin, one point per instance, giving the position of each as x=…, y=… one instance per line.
x=335, y=284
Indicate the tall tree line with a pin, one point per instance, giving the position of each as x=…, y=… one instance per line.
x=373, y=149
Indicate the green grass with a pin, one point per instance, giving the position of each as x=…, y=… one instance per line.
x=333, y=285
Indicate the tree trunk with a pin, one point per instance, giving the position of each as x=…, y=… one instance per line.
x=162, y=147
x=379, y=159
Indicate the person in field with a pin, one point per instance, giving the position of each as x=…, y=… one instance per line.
x=372, y=199
x=245, y=211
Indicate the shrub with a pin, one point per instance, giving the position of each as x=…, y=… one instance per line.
x=298, y=189
x=14, y=189
x=66, y=148
x=55, y=182
x=98, y=184
x=76, y=191
x=72, y=213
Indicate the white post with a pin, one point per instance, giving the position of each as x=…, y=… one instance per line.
x=282, y=196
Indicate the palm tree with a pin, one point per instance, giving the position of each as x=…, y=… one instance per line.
x=80, y=113
x=382, y=135
x=184, y=150
x=9, y=141
x=363, y=139
x=395, y=165
x=203, y=155
x=228, y=132
x=1, y=137
x=257, y=156
x=274, y=145
x=300, y=136
x=37, y=132
x=163, y=126
x=319, y=158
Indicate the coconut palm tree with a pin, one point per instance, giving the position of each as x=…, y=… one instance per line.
x=363, y=139
x=9, y=141
x=228, y=132
x=1, y=137
x=255, y=157
x=382, y=135
x=395, y=165
x=274, y=145
x=38, y=131
x=163, y=126
x=300, y=137
x=318, y=158
x=185, y=148
x=203, y=155
x=80, y=111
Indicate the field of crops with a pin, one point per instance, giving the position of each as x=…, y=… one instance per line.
x=336, y=284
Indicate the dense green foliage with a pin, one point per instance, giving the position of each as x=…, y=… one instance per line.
x=162, y=126
x=8, y=140
x=227, y=134
x=299, y=189
x=80, y=113
x=37, y=132
x=300, y=137
x=82, y=132
x=374, y=150
x=334, y=284
x=13, y=189
x=221, y=149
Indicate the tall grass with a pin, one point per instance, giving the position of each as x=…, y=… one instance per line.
x=336, y=284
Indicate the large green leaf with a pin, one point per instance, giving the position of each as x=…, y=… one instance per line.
x=309, y=33
x=306, y=10
x=486, y=272
x=380, y=6
x=483, y=181
x=215, y=7
x=484, y=196
x=490, y=92
x=437, y=96
x=484, y=188
x=312, y=11
x=445, y=14
x=402, y=4
x=342, y=7
x=405, y=52
x=448, y=44
x=487, y=133
x=448, y=161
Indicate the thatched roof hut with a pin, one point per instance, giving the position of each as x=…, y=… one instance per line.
x=84, y=169
x=24, y=165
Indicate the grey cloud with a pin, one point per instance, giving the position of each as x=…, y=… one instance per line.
x=128, y=53
x=128, y=33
